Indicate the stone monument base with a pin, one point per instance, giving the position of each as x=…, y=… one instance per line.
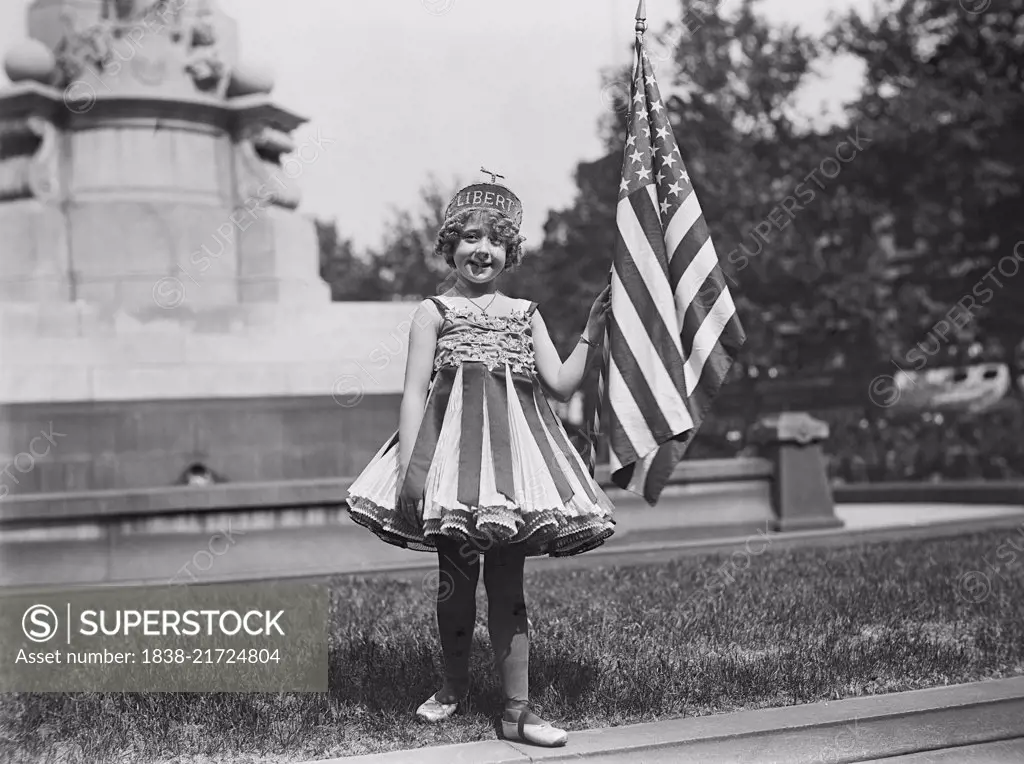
x=94, y=400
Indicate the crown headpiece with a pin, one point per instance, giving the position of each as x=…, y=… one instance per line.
x=487, y=196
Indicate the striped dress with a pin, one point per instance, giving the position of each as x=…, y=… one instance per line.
x=492, y=463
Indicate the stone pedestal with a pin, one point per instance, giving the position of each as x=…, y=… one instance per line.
x=144, y=150
x=100, y=207
x=801, y=493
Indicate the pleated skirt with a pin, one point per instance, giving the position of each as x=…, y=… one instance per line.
x=492, y=466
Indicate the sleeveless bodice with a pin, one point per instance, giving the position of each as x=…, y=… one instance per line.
x=469, y=335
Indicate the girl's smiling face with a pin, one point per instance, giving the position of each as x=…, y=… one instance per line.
x=478, y=257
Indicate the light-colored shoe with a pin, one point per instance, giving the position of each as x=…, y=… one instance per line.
x=433, y=711
x=530, y=728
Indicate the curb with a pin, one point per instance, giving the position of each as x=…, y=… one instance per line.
x=952, y=492
x=652, y=553
x=637, y=553
x=852, y=730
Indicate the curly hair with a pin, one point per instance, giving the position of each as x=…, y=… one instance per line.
x=495, y=225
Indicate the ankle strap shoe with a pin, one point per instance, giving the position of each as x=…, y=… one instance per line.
x=530, y=728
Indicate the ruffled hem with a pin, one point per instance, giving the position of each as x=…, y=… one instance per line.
x=545, y=532
x=491, y=466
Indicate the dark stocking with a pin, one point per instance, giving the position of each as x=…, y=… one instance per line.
x=458, y=573
x=506, y=620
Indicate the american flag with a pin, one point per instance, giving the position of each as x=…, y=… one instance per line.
x=673, y=331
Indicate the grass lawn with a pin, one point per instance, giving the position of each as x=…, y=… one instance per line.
x=610, y=646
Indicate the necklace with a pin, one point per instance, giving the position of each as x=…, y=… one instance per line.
x=482, y=310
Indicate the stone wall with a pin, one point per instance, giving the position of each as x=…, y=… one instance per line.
x=138, y=399
x=148, y=444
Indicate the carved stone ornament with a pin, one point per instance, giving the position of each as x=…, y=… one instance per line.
x=205, y=64
x=207, y=69
x=126, y=22
x=30, y=167
x=261, y=176
x=134, y=11
x=81, y=50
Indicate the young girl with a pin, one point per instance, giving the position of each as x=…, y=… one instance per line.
x=480, y=464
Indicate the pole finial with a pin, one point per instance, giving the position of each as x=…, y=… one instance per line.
x=641, y=17
x=494, y=175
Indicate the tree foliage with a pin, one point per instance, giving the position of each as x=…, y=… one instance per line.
x=403, y=266
x=350, y=277
x=405, y=260
x=944, y=105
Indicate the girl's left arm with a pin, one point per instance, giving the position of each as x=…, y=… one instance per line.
x=564, y=379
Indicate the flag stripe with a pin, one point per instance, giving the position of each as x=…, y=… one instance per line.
x=636, y=268
x=636, y=408
x=623, y=451
x=682, y=220
x=733, y=337
x=689, y=287
x=662, y=465
x=645, y=207
x=697, y=312
x=638, y=478
x=707, y=338
x=641, y=358
x=688, y=251
x=711, y=380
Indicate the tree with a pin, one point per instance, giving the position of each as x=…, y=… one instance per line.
x=405, y=261
x=403, y=267
x=571, y=267
x=945, y=111
x=349, y=276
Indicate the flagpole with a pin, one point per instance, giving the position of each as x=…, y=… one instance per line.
x=598, y=377
x=641, y=27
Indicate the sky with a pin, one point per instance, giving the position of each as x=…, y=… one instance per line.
x=399, y=90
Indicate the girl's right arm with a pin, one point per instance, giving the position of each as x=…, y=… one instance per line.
x=418, y=367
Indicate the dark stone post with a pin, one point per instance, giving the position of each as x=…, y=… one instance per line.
x=801, y=494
